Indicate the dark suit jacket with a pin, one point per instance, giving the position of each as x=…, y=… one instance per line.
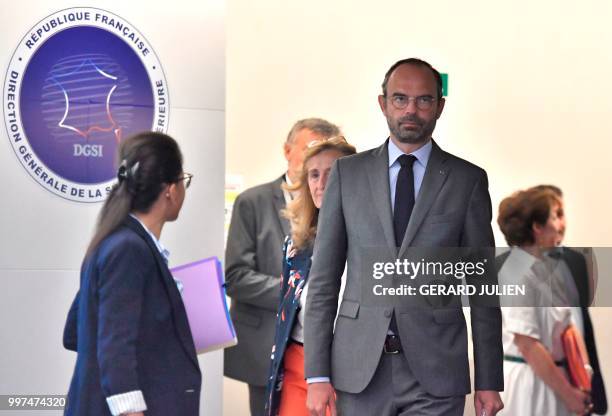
x=578, y=268
x=296, y=267
x=253, y=257
x=129, y=328
x=453, y=209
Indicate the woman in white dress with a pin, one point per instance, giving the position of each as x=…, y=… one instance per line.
x=536, y=381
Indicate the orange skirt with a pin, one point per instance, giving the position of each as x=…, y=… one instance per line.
x=293, y=393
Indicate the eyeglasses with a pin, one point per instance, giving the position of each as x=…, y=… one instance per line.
x=186, y=178
x=422, y=102
x=331, y=140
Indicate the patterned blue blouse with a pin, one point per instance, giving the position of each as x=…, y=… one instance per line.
x=296, y=266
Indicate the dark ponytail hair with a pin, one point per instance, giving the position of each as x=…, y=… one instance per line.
x=147, y=162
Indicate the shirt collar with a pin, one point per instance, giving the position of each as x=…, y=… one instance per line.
x=162, y=250
x=555, y=252
x=524, y=256
x=521, y=261
x=422, y=154
x=287, y=179
x=289, y=196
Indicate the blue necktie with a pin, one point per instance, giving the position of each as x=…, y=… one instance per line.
x=404, y=197
x=404, y=203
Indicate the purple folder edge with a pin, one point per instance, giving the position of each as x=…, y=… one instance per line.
x=221, y=282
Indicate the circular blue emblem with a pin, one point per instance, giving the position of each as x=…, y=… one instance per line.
x=81, y=81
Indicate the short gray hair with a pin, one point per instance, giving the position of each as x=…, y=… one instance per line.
x=316, y=125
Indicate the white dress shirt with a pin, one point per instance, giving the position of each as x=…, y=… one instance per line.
x=418, y=167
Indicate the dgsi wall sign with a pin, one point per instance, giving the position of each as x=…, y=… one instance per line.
x=80, y=81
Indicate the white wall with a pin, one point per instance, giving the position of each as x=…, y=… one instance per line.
x=43, y=237
x=528, y=96
x=529, y=91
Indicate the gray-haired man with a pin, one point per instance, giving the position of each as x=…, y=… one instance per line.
x=253, y=263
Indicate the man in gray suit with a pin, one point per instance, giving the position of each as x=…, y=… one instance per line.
x=253, y=264
x=388, y=360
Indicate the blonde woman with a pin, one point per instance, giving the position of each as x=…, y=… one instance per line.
x=286, y=389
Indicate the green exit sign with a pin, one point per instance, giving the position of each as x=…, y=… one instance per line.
x=444, y=84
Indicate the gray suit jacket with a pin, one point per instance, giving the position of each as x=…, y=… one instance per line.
x=253, y=259
x=453, y=209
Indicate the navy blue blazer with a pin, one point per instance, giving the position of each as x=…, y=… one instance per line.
x=129, y=328
x=296, y=266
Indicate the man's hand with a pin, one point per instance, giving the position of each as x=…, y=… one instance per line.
x=319, y=397
x=487, y=402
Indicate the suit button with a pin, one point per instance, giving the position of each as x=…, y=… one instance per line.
x=388, y=313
